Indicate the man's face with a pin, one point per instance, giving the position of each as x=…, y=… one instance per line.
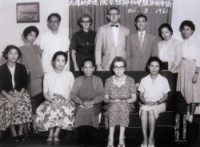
x=54, y=23
x=113, y=16
x=141, y=23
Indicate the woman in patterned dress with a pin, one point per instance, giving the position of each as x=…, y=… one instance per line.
x=57, y=112
x=188, y=76
x=13, y=84
x=120, y=91
x=154, y=90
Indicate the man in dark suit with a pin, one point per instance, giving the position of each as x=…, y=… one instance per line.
x=110, y=40
x=140, y=46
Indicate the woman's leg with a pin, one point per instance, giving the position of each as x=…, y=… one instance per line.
x=188, y=111
x=13, y=131
x=57, y=132
x=192, y=110
x=50, y=137
x=121, y=135
x=21, y=129
x=111, y=135
x=144, y=115
x=152, y=123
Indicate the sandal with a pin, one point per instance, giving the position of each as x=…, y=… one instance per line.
x=56, y=140
x=49, y=140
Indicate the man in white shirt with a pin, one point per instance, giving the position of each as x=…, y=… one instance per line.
x=53, y=41
x=110, y=40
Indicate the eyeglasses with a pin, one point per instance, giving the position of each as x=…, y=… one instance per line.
x=54, y=21
x=119, y=67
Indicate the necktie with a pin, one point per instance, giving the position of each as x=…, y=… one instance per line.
x=141, y=39
x=114, y=25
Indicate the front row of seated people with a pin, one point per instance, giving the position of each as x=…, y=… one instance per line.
x=76, y=104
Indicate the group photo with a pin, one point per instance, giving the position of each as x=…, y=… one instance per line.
x=100, y=73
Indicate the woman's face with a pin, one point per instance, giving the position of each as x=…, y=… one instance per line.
x=13, y=55
x=187, y=32
x=85, y=23
x=31, y=37
x=60, y=62
x=154, y=67
x=166, y=34
x=119, y=68
x=88, y=68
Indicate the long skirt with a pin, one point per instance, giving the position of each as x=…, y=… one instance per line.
x=87, y=116
x=190, y=91
x=48, y=117
x=16, y=114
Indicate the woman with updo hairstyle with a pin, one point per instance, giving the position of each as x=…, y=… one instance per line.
x=16, y=101
x=120, y=93
x=188, y=76
x=169, y=48
x=82, y=43
x=153, y=90
x=31, y=58
x=57, y=111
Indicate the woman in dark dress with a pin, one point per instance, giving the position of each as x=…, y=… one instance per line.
x=82, y=43
x=87, y=93
x=13, y=85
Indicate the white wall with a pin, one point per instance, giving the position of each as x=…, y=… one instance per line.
x=185, y=10
x=10, y=31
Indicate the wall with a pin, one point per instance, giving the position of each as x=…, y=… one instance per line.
x=185, y=10
x=10, y=31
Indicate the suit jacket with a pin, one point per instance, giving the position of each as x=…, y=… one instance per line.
x=105, y=48
x=137, y=56
x=20, y=78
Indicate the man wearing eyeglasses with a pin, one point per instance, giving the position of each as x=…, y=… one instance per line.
x=110, y=40
x=52, y=41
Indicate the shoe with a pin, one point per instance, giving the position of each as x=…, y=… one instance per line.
x=144, y=145
x=15, y=139
x=152, y=144
x=56, y=140
x=49, y=140
x=110, y=145
x=22, y=137
x=121, y=145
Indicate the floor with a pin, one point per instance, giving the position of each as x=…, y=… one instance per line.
x=36, y=141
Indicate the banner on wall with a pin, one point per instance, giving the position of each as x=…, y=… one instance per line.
x=157, y=12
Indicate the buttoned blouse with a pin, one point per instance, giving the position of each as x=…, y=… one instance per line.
x=154, y=90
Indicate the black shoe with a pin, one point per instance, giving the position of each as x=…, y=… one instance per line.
x=15, y=139
x=22, y=137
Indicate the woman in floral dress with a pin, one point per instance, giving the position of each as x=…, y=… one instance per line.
x=120, y=91
x=57, y=112
x=14, y=100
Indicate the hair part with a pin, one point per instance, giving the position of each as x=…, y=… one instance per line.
x=113, y=8
x=30, y=29
x=139, y=16
x=88, y=60
x=7, y=50
x=54, y=15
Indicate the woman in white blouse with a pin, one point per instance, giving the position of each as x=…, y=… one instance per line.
x=153, y=90
x=188, y=76
x=169, y=48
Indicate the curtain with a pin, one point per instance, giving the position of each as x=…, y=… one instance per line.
x=157, y=12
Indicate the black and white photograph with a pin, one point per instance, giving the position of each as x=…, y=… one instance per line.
x=100, y=73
